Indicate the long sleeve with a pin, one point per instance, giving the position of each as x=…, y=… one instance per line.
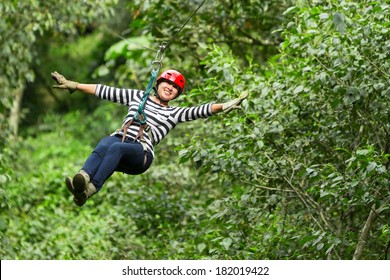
x=117, y=95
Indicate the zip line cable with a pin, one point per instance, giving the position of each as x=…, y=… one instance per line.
x=164, y=45
x=181, y=28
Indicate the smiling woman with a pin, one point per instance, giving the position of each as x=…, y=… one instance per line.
x=128, y=150
x=170, y=84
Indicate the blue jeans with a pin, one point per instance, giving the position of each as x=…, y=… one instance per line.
x=112, y=155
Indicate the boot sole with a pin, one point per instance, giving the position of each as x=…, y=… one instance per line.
x=79, y=202
x=79, y=198
x=69, y=186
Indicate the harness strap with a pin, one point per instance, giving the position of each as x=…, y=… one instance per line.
x=139, y=136
x=140, y=115
x=142, y=142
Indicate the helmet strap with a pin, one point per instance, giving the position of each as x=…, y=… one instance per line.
x=163, y=100
x=158, y=96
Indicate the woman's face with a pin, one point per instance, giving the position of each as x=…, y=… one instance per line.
x=167, y=90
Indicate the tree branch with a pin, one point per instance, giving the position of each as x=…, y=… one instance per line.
x=366, y=231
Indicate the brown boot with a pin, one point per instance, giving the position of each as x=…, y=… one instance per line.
x=81, y=197
x=80, y=181
x=69, y=184
x=90, y=190
x=79, y=201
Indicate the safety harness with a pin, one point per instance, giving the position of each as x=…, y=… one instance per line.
x=140, y=116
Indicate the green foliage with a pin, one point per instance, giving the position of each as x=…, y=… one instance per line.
x=28, y=28
x=26, y=22
x=304, y=145
x=243, y=25
x=293, y=175
x=41, y=221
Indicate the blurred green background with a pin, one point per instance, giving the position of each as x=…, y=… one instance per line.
x=301, y=172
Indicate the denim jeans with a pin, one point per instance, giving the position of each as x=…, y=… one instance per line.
x=112, y=155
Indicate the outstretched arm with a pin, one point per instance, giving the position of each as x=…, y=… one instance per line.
x=72, y=86
x=87, y=88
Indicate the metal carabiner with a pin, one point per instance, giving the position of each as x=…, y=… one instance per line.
x=155, y=65
x=161, y=51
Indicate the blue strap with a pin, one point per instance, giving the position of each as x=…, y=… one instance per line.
x=140, y=115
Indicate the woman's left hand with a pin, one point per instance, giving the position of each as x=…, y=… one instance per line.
x=235, y=103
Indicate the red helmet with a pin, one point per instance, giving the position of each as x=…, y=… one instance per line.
x=174, y=76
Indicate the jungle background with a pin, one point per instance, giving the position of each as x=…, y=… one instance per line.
x=300, y=172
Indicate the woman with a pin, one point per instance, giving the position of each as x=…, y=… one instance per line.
x=129, y=150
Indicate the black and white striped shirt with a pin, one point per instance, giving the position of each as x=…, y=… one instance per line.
x=161, y=120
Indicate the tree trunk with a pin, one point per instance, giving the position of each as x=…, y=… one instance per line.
x=15, y=110
x=366, y=231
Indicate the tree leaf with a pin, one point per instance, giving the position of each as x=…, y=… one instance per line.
x=226, y=243
x=201, y=247
x=339, y=23
x=298, y=89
